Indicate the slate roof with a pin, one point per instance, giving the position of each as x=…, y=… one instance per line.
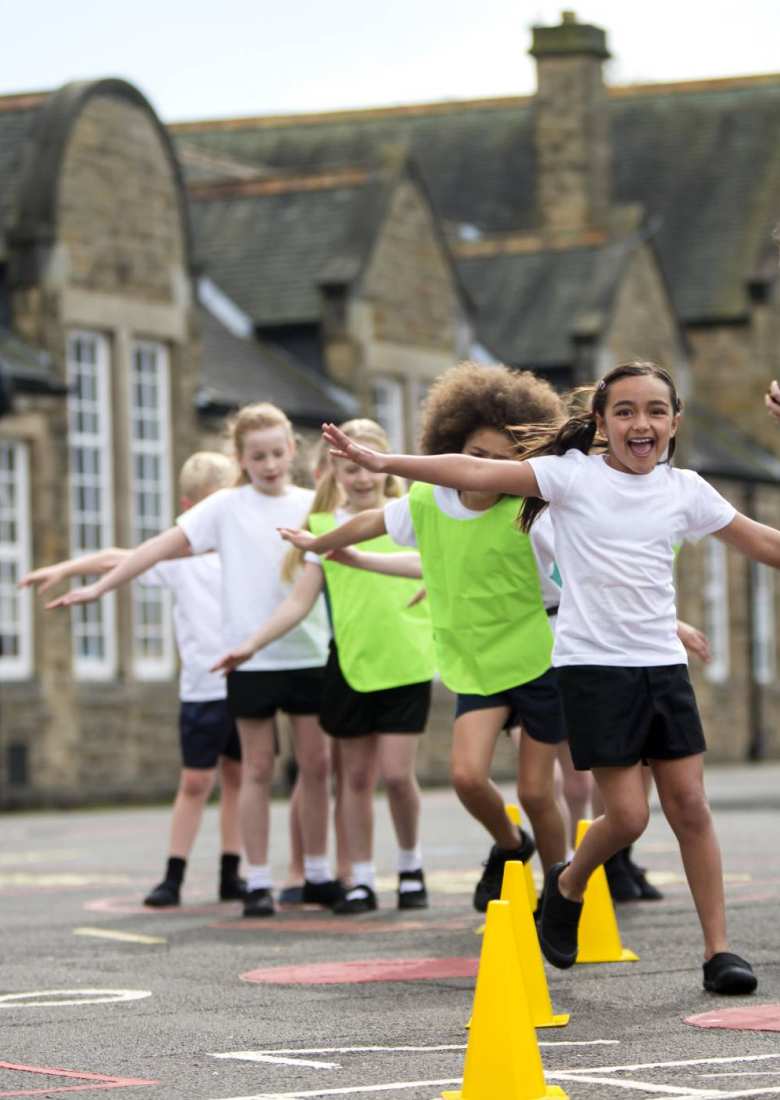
x=703, y=157
x=714, y=447
x=235, y=371
x=17, y=114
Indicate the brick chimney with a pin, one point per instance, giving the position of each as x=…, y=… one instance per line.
x=571, y=127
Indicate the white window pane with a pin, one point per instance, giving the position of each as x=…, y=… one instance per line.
x=16, y=649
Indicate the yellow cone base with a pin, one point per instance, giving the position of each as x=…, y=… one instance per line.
x=625, y=956
x=551, y=1091
x=599, y=935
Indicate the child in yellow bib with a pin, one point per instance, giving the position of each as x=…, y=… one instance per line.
x=377, y=688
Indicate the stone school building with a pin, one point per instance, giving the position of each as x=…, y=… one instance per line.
x=154, y=277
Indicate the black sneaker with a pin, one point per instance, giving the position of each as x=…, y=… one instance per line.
x=559, y=922
x=358, y=899
x=727, y=973
x=489, y=886
x=415, y=896
x=232, y=889
x=647, y=892
x=620, y=878
x=165, y=894
x=291, y=895
x=259, y=903
x=326, y=894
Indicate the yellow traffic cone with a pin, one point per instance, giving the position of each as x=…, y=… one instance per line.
x=514, y=815
x=599, y=935
x=502, y=1056
x=529, y=953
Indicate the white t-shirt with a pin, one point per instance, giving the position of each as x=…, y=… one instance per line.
x=614, y=540
x=400, y=528
x=196, y=584
x=240, y=524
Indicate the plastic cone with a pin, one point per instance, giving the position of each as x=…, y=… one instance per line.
x=529, y=953
x=599, y=935
x=514, y=815
x=502, y=1056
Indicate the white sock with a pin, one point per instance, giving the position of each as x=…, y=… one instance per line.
x=258, y=876
x=316, y=869
x=364, y=874
x=409, y=859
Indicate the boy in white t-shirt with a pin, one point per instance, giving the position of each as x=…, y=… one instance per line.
x=208, y=735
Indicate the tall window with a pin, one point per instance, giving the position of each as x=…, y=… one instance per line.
x=389, y=405
x=15, y=605
x=91, y=511
x=153, y=654
x=716, y=611
x=764, y=653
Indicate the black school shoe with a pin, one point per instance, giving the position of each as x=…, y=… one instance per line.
x=358, y=899
x=165, y=894
x=559, y=922
x=259, y=903
x=489, y=886
x=727, y=973
x=327, y=894
x=415, y=898
x=647, y=892
x=232, y=888
x=623, y=885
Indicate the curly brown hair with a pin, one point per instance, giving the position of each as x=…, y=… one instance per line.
x=471, y=396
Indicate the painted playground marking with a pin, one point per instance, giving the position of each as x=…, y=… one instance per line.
x=123, y=937
x=749, y=1018
x=94, y=1081
x=364, y=970
x=76, y=997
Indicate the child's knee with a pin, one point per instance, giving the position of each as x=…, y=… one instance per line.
x=398, y=783
x=467, y=780
x=688, y=811
x=631, y=821
x=196, y=783
x=314, y=766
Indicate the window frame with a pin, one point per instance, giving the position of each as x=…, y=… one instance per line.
x=19, y=553
x=762, y=594
x=717, y=612
x=387, y=393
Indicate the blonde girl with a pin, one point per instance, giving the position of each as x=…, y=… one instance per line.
x=617, y=512
x=240, y=524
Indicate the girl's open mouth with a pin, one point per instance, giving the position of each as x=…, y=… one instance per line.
x=640, y=447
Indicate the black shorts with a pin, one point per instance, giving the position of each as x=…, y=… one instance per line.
x=536, y=706
x=206, y=732
x=617, y=716
x=348, y=713
x=258, y=693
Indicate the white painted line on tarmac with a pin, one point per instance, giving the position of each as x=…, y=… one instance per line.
x=78, y=997
x=275, y=1059
x=249, y=1054
x=674, y=1065
x=744, y=1073
x=123, y=937
x=637, y=1086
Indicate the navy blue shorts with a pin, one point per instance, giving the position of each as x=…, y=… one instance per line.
x=536, y=706
x=206, y=732
x=258, y=693
x=617, y=716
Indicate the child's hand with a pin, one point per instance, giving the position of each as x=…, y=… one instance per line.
x=43, y=578
x=341, y=446
x=772, y=400
x=304, y=540
x=346, y=556
x=420, y=595
x=88, y=594
x=694, y=641
x=233, y=659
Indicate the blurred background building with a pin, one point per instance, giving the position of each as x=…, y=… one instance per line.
x=154, y=278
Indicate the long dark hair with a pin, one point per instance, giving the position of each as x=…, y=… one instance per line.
x=580, y=429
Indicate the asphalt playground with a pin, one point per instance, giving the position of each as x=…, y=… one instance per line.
x=99, y=995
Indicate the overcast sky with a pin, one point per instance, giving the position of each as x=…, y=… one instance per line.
x=221, y=58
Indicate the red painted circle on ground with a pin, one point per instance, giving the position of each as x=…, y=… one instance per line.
x=754, y=1018
x=364, y=970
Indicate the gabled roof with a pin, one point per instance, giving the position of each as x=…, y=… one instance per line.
x=237, y=371
x=704, y=157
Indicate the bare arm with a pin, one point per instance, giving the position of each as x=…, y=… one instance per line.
x=694, y=641
x=754, y=540
x=390, y=565
x=772, y=400
x=172, y=543
x=291, y=611
x=102, y=561
x=365, y=525
x=456, y=471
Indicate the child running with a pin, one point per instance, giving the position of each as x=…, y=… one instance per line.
x=208, y=736
x=617, y=514
x=240, y=524
x=378, y=677
x=491, y=604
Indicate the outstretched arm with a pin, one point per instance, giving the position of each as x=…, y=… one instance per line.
x=754, y=540
x=455, y=471
x=390, y=565
x=102, y=561
x=365, y=525
x=291, y=611
x=772, y=400
x=172, y=543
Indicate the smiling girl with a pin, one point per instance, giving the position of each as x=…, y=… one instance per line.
x=617, y=515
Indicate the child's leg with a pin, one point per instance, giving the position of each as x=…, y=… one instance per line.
x=230, y=789
x=257, y=754
x=195, y=786
x=536, y=790
x=295, y=865
x=312, y=753
x=360, y=768
x=680, y=785
x=397, y=757
x=577, y=788
x=474, y=739
x=343, y=857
